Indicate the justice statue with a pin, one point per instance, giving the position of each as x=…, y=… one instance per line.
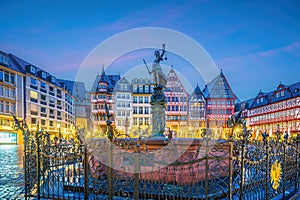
x=158, y=99
x=159, y=78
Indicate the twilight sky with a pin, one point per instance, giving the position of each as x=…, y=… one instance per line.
x=256, y=43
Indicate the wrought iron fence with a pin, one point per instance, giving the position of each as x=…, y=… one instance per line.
x=204, y=169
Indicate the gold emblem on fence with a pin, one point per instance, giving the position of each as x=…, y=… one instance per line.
x=275, y=174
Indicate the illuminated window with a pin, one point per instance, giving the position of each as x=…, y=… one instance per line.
x=33, y=94
x=146, y=121
x=33, y=121
x=43, y=122
x=134, y=121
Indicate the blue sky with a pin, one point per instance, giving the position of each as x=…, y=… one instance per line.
x=256, y=43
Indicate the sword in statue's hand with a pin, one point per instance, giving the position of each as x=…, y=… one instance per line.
x=147, y=66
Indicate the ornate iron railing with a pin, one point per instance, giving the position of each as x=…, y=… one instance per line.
x=126, y=168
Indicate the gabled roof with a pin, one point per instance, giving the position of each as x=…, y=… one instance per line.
x=172, y=74
x=123, y=81
x=197, y=93
x=218, y=88
x=110, y=80
x=282, y=92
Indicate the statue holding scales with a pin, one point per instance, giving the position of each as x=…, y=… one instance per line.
x=158, y=99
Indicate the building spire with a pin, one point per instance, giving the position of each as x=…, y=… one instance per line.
x=102, y=71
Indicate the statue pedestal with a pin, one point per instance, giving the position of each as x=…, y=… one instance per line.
x=158, y=107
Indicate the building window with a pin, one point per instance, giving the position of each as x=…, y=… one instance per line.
x=33, y=94
x=33, y=81
x=51, y=123
x=43, y=110
x=32, y=69
x=51, y=100
x=146, y=99
x=141, y=89
x=146, y=110
x=6, y=77
x=134, y=110
x=43, y=85
x=282, y=93
x=12, y=78
x=134, y=99
x=1, y=106
x=140, y=110
x=7, y=107
x=44, y=75
x=140, y=121
x=53, y=79
x=33, y=121
x=13, y=108
x=51, y=89
x=1, y=75
x=140, y=99
x=147, y=89
x=43, y=97
x=135, y=87
x=134, y=121
x=146, y=121
x=43, y=122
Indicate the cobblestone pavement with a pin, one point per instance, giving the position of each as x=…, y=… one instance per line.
x=11, y=172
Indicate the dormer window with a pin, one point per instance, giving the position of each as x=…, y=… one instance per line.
x=32, y=69
x=4, y=60
x=282, y=93
x=53, y=79
x=44, y=75
x=261, y=100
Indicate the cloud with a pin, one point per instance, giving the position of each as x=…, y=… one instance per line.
x=293, y=49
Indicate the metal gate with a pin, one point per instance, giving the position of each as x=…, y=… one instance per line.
x=235, y=168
